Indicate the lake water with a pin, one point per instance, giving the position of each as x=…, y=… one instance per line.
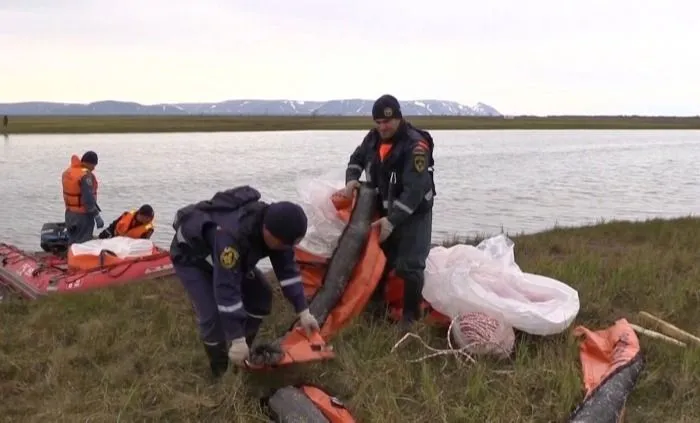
x=521, y=181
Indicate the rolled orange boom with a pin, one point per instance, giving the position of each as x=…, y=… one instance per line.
x=611, y=362
x=306, y=402
x=339, y=288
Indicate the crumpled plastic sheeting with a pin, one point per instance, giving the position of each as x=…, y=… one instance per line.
x=463, y=279
x=122, y=247
x=324, y=225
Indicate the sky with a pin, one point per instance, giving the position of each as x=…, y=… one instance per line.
x=521, y=57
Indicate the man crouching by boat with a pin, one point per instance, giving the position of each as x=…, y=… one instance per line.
x=137, y=224
x=215, y=250
x=80, y=198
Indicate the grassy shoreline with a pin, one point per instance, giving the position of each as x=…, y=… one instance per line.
x=132, y=351
x=150, y=124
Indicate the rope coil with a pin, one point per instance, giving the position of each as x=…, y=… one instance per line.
x=487, y=335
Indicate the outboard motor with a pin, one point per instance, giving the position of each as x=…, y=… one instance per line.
x=54, y=238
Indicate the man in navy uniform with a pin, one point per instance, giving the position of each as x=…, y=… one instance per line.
x=398, y=160
x=215, y=250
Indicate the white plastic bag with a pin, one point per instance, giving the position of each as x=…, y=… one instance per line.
x=123, y=247
x=463, y=279
x=324, y=227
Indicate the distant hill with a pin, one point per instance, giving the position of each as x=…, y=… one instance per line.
x=348, y=107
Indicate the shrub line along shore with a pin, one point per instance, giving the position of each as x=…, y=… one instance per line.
x=151, y=124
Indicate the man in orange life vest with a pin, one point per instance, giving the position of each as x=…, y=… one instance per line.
x=80, y=198
x=397, y=159
x=135, y=224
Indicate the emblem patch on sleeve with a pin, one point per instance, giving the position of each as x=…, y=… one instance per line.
x=419, y=162
x=228, y=258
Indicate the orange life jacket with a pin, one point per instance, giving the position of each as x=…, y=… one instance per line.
x=124, y=227
x=70, y=179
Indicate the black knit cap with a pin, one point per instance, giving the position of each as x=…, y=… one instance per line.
x=386, y=107
x=286, y=221
x=89, y=157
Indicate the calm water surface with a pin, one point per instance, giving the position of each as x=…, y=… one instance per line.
x=486, y=180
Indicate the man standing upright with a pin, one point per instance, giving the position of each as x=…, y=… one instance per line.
x=80, y=198
x=398, y=160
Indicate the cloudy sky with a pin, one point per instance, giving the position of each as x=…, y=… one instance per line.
x=535, y=56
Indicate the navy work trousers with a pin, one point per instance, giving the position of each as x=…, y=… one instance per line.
x=407, y=250
x=80, y=226
x=197, y=281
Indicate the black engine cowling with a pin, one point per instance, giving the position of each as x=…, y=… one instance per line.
x=54, y=237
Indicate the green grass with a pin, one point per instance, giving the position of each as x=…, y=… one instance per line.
x=134, y=124
x=131, y=353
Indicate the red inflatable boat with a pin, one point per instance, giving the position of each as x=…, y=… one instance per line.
x=32, y=275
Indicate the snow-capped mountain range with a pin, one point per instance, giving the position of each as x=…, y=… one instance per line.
x=347, y=107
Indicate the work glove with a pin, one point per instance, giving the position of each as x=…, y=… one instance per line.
x=99, y=222
x=308, y=322
x=350, y=187
x=238, y=351
x=385, y=228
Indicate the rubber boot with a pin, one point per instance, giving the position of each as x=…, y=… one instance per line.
x=249, y=338
x=252, y=326
x=218, y=358
x=411, y=300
